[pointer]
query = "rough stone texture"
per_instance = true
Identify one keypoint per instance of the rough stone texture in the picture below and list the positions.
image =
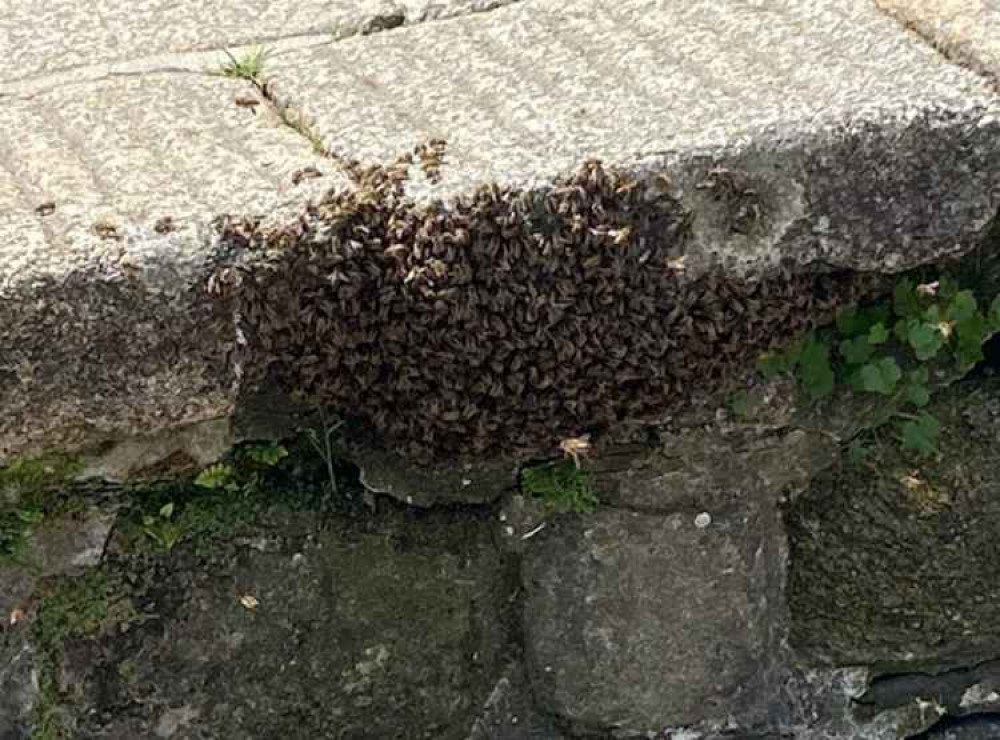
(63, 35)
(65, 545)
(846, 130)
(892, 562)
(977, 728)
(116, 335)
(847, 143)
(393, 627)
(639, 622)
(966, 31)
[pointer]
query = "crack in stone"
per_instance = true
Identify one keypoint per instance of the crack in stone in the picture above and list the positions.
(184, 62)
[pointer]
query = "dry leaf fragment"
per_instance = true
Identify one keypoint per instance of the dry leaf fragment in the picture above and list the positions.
(249, 601)
(574, 447)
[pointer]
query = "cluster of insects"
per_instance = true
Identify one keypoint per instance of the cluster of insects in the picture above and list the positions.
(504, 320)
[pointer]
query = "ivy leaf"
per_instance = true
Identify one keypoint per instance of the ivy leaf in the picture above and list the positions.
(947, 288)
(995, 314)
(920, 434)
(969, 348)
(881, 376)
(901, 330)
(925, 339)
(854, 321)
(962, 306)
(856, 351)
(878, 334)
(917, 394)
(814, 368)
(905, 301)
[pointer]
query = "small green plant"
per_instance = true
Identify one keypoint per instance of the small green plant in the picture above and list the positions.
(220, 476)
(322, 442)
(249, 66)
(265, 454)
(15, 526)
(899, 350)
(82, 606)
(162, 528)
(562, 486)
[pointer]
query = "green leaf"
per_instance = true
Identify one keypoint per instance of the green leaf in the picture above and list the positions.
(962, 306)
(916, 394)
(933, 315)
(30, 516)
(814, 368)
(215, 476)
(920, 434)
(901, 330)
(995, 314)
(971, 334)
(855, 321)
(947, 288)
(905, 301)
(167, 510)
(266, 454)
(878, 334)
(856, 351)
(924, 338)
(881, 376)
(847, 321)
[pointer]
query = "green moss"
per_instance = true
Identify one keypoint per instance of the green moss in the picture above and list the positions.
(71, 608)
(31, 475)
(30, 491)
(562, 486)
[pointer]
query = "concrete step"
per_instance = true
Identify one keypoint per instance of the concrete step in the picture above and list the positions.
(809, 133)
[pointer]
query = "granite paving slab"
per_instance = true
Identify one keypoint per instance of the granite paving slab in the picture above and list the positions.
(967, 31)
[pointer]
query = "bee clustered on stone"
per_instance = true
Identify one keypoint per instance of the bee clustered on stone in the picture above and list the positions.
(502, 321)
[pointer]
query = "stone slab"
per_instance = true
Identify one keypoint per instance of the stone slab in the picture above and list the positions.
(858, 144)
(61, 35)
(638, 623)
(845, 140)
(967, 31)
(107, 196)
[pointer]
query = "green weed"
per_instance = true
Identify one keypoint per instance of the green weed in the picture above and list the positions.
(562, 486)
(249, 66)
(900, 350)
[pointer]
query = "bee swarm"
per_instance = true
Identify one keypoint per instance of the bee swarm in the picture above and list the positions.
(505, 320)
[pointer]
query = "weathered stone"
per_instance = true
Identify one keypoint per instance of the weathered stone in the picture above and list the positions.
(974, 728)
(18, 684)
(63, 545)
(389, 473)
(966, 31)
(394, 627)
(509, 713)
(636, 623)
(107, 330)
(868, 152)
(173, 452)
(847, 134)
(104, 41)
(892, 561)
